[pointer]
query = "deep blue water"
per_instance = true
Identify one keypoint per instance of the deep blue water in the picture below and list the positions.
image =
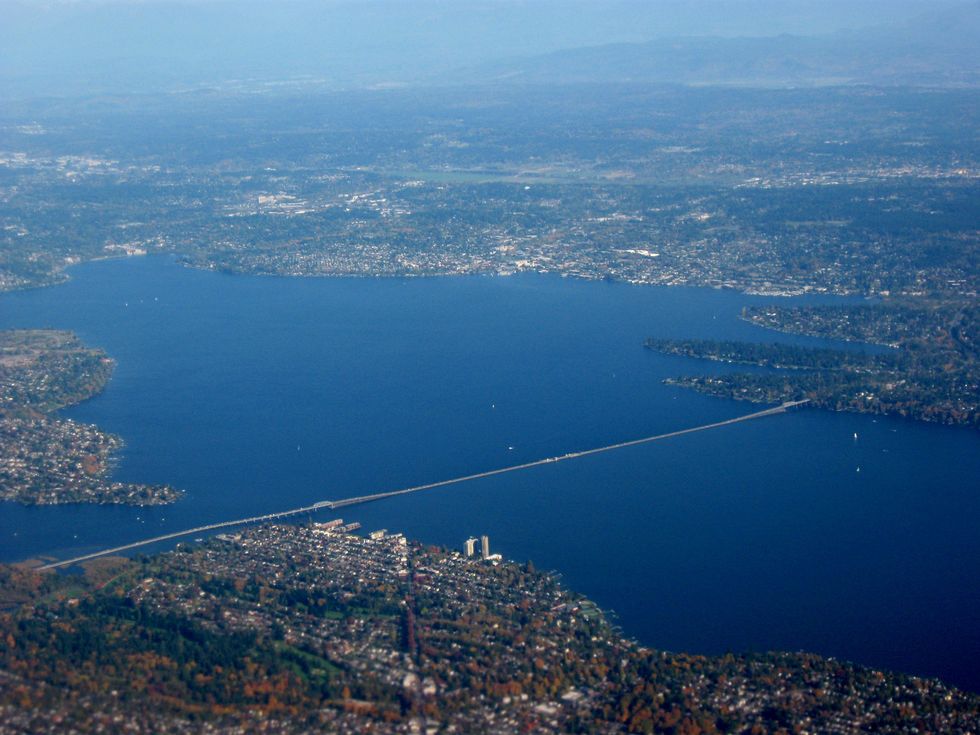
(257, 394)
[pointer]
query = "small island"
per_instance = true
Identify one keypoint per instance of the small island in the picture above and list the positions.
(47, 460)
(314, 629)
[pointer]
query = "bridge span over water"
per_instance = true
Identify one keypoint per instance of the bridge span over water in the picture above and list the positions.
(357, 500)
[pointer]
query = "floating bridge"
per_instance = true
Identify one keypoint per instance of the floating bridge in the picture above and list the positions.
(359, 499)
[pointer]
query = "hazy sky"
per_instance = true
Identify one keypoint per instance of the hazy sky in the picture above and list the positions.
(79, 45)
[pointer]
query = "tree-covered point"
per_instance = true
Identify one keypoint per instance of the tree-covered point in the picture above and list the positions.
(937, 399)
(933, 374)
(42, 370)
(777, 355)
(950, 324)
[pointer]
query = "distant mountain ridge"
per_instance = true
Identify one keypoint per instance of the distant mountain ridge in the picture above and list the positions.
(937, 49)
(74, 48)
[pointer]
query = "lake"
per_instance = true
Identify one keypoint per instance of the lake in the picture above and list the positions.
(256, 394)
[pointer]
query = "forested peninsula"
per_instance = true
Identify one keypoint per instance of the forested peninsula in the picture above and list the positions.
(930, 371)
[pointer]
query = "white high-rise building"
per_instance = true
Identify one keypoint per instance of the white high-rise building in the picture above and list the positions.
(485, 547)
(469, 547)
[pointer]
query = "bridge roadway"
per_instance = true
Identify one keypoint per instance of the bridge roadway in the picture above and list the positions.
(335, 504)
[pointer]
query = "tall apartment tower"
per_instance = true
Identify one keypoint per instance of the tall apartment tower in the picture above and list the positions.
(469, 547)
(485, 547)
